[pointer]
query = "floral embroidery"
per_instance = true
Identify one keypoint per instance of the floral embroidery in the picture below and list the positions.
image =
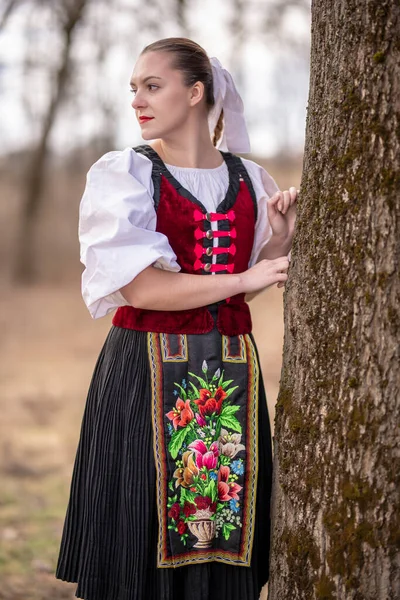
(205, 436)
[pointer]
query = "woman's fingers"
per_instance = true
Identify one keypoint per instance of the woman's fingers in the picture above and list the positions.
(284, 199)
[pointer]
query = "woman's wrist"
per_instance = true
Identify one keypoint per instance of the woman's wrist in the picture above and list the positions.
(275, 247)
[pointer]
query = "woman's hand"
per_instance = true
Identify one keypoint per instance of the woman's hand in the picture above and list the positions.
(264, 273)
(281, 210)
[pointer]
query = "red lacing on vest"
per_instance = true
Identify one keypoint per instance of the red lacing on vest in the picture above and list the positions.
(211, 268)
(210, 216)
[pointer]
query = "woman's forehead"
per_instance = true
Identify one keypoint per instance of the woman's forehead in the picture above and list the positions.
(152, 64)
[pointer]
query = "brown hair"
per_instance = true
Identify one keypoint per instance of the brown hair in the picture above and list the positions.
(192, 60)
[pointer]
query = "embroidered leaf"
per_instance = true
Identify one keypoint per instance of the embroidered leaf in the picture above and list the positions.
(225, 460)
(195, 390)
(187, 495)
(203, 383)
(211, 490)
(221, 378)
(229, 392)
(226, 530)
(226, 383)
(183, 393)
(231, 421)
(229, 410)
(177, 440)
(171, 486)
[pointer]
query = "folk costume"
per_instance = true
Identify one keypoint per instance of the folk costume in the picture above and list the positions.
(170, 493)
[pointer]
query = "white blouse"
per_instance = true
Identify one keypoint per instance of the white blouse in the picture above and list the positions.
(117, 221)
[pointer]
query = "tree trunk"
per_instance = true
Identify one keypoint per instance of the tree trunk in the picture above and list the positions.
(35, 173)
(336, 517)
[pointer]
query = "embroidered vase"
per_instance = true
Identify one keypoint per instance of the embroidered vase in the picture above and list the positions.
(204, 530)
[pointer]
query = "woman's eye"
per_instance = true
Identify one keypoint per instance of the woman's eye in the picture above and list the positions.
(132, 91)
(152, 85)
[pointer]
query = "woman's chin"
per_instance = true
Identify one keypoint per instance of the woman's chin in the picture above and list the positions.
(149, 135)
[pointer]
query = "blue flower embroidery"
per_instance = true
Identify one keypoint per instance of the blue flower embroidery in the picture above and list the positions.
(234, 505)
(175, 392)
(183, 383)
(237, 467)
(170, 429)
(213, 476)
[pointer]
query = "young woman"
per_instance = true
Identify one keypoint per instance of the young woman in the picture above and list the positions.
(170, 493)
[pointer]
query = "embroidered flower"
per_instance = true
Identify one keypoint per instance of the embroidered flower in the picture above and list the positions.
(174, 511)
(185, 475)
(182, 527)
(213, 475)
(200, 420)
(188, 508)
(227, 490)
(234, 505)
(205, 457)
(209, 404)
(202, 502)
(182, 414)
(229, 443)
(238, 467)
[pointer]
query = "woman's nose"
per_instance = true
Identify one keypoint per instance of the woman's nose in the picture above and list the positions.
(138, 102)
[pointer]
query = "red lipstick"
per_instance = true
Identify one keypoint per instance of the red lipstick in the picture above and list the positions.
(144, 119)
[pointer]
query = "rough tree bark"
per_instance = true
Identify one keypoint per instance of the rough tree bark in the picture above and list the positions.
(336, 528)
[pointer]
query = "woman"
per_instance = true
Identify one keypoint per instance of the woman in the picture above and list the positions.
(170, 494)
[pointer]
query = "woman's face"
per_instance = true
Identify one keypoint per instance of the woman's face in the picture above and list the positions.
(160, 95)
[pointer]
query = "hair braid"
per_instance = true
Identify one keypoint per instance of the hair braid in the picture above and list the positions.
(218, 128)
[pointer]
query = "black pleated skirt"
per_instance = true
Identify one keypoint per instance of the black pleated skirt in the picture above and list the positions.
(109, 541)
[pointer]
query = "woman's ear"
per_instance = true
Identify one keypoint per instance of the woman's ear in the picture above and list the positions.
(197, 93)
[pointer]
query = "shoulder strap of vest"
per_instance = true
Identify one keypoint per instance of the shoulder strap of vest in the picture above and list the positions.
(237, 164)
(155, 173)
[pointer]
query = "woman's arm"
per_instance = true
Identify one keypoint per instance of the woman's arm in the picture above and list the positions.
(158, 289)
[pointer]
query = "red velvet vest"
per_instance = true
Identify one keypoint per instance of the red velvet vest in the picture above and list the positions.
(187, 225)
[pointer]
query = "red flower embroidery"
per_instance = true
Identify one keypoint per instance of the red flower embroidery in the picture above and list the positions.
(181, 525)
(174, 511)
(188, 509)
(227, 490)
(202, 502)
(182, 414)
(208, 404)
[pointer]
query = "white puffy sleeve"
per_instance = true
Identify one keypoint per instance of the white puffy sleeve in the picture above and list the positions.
(265, 187)
(117, 236)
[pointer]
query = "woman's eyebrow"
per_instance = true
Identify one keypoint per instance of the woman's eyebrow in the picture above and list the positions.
(146, 79)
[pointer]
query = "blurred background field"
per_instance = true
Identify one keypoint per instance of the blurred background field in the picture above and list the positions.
(48, 341)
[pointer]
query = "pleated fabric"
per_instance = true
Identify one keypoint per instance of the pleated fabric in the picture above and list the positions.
(109, 541)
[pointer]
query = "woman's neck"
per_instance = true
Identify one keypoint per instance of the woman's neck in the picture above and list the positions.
(190, 151)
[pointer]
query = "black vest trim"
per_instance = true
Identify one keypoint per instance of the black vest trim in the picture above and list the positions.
(236, 171)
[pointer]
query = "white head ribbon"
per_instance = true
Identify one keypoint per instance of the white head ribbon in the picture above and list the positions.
(235, 137)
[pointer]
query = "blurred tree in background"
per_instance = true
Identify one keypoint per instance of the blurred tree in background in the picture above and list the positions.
(73, 57)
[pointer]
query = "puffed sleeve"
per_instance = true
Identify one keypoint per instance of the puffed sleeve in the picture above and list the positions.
(117, 236)
(265, 187)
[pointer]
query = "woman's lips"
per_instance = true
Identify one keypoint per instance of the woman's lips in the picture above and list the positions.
(144, 119)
